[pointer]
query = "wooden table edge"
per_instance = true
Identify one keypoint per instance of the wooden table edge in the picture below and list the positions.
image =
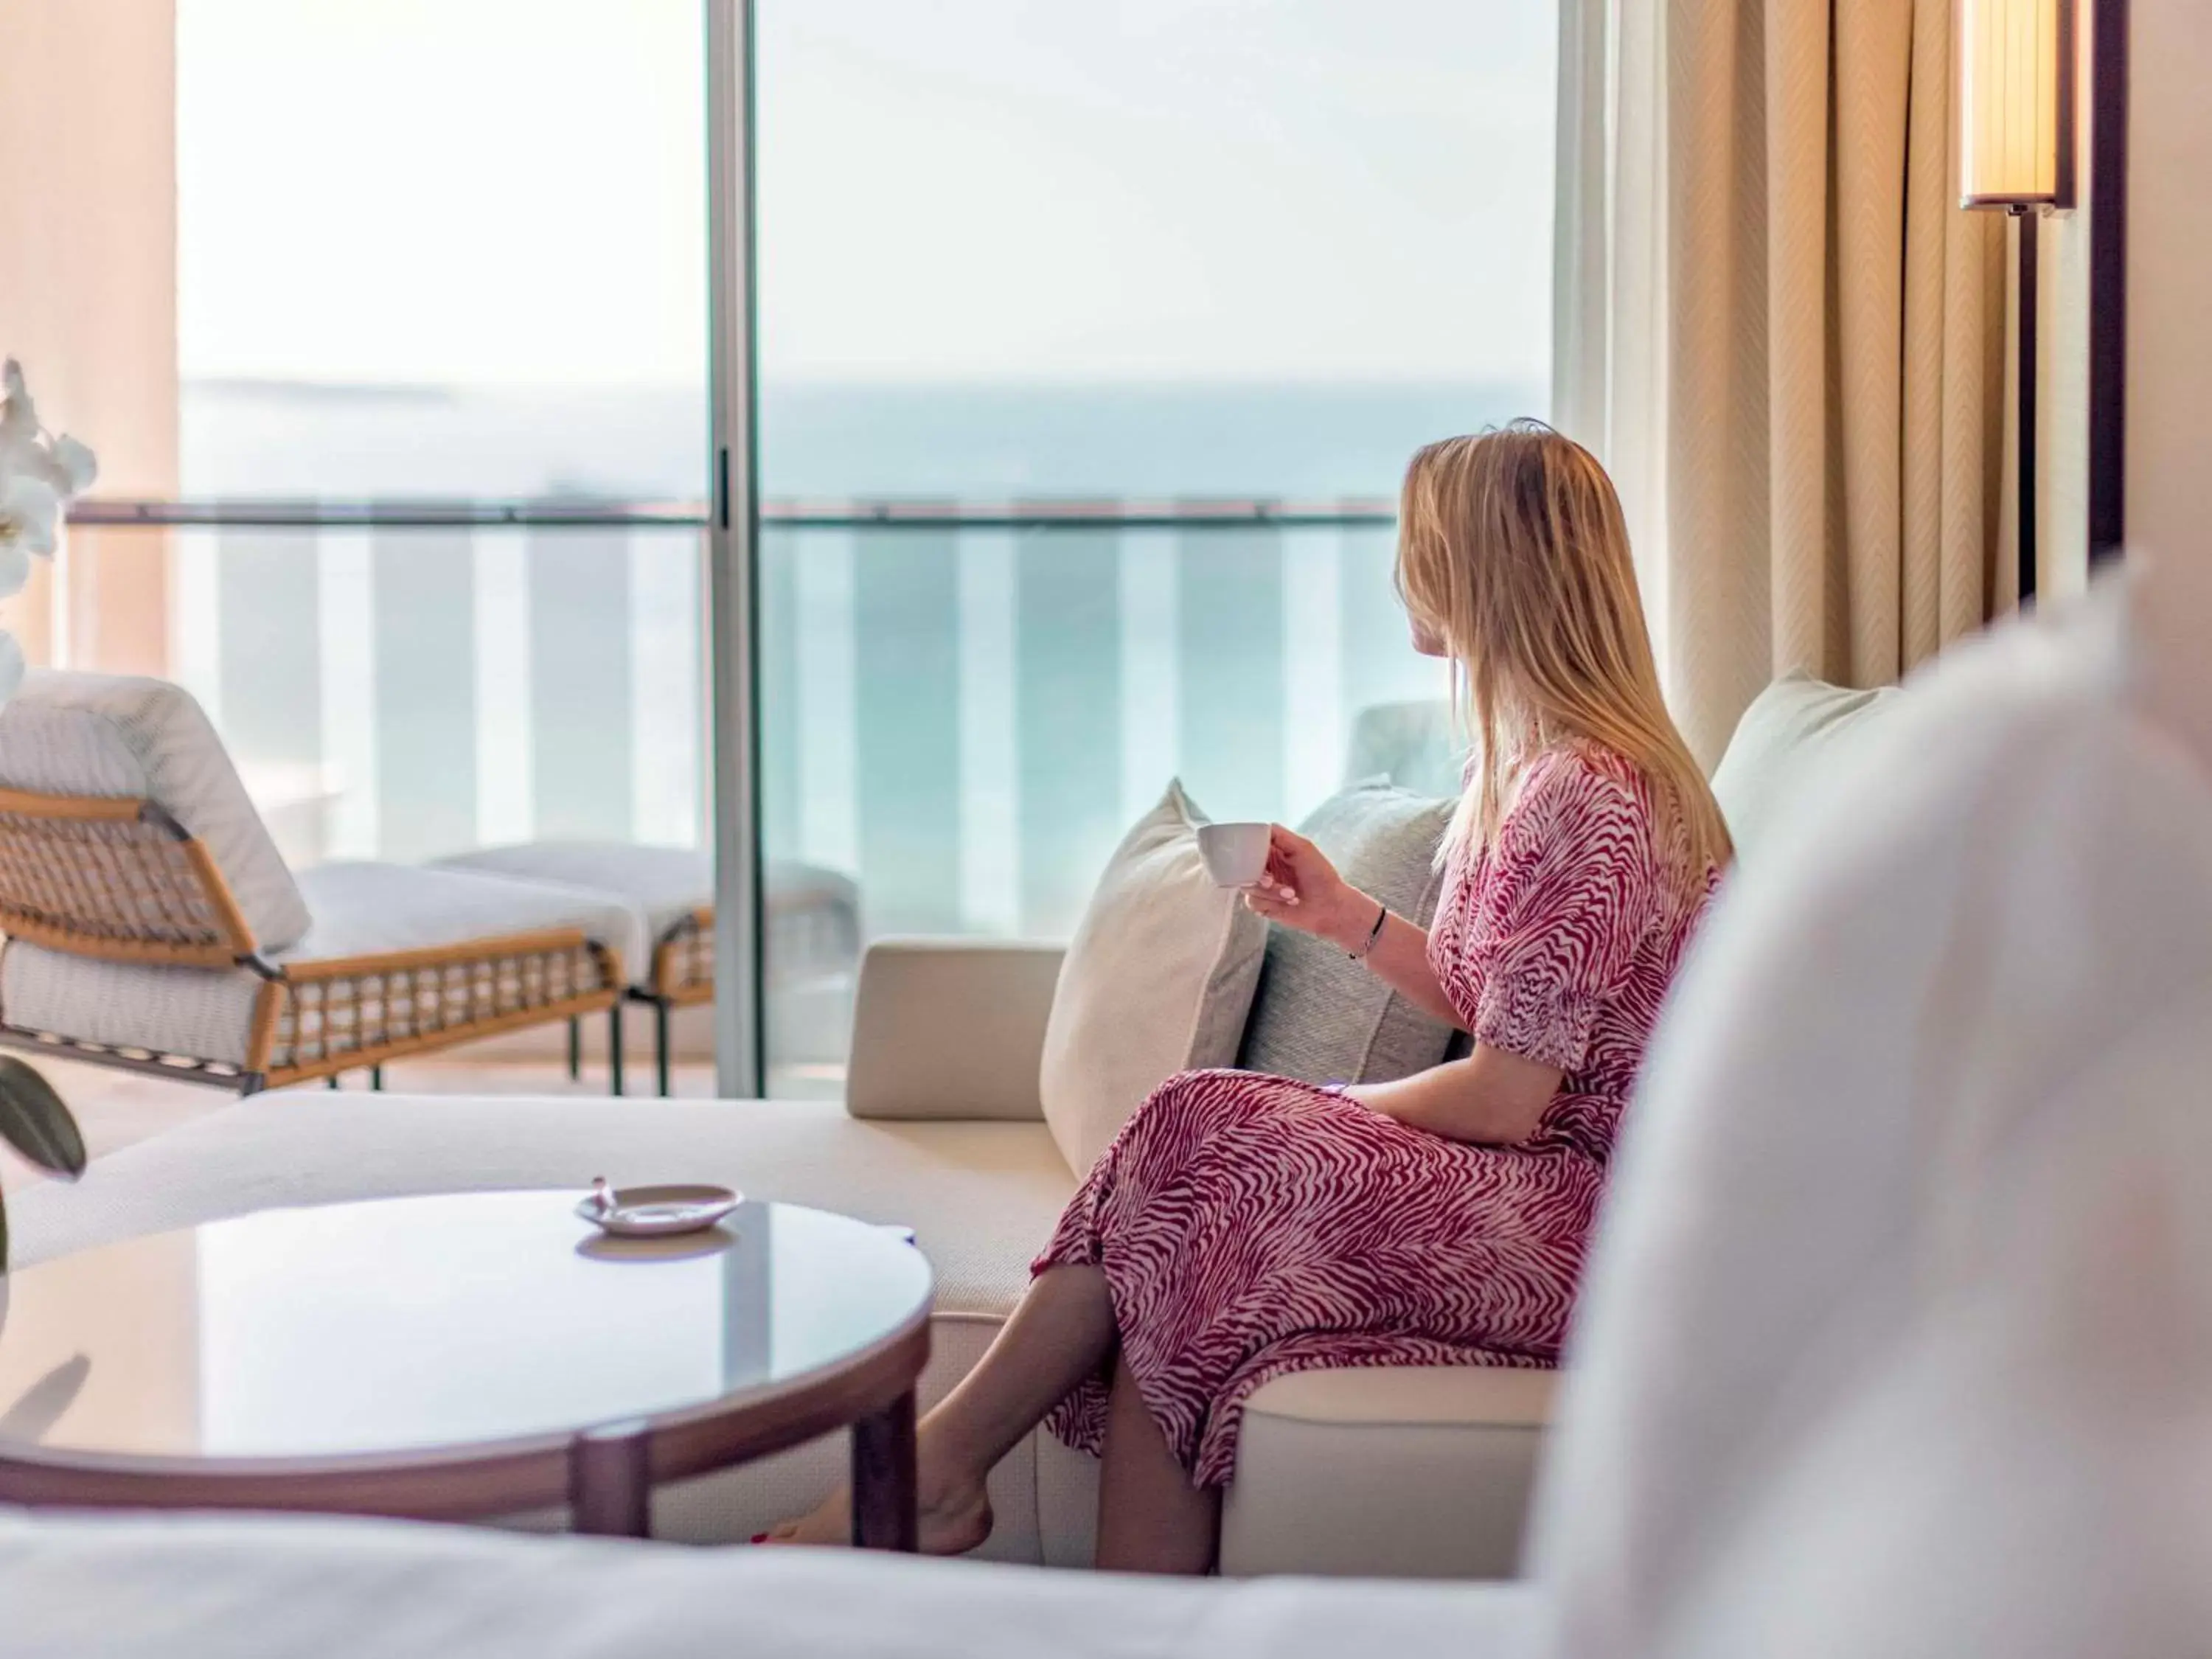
(475, 1479)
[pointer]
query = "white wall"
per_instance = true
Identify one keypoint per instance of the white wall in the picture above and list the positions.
(88, 290)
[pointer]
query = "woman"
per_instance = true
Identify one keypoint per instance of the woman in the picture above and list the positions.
(1242, 1227)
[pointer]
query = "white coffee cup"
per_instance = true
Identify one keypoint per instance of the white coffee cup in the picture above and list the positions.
(1236, 854)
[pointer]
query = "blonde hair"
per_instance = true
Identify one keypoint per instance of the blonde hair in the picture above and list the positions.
(1513, 555)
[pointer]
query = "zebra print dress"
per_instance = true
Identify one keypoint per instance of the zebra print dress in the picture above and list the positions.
(1250, 1226)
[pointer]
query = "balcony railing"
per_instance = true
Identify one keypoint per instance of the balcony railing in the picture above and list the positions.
(555, 512)
(965, 703)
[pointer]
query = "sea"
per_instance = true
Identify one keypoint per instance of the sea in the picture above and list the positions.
(961, 722)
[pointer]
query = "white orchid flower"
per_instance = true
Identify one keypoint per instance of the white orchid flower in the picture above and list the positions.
(39, 475)
(76, 466)
(18, 416)
(30, 515)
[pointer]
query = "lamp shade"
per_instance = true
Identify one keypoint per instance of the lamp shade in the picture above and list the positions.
(2015, 103)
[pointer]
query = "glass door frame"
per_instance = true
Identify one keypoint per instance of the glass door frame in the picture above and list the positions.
(732, 554)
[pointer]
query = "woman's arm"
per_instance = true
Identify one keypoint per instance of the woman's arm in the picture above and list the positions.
(1492, 1097)
(1302, 889)
(1400, 958)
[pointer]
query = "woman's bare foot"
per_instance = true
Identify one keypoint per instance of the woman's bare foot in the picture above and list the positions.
(954, 1521)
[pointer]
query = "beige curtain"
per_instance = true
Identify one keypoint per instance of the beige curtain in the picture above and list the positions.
(1782, 333)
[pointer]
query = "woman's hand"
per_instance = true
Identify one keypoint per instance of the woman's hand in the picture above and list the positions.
(1302, 889)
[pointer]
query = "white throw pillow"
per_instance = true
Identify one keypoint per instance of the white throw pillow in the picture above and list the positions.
(1789, 736)
(1158, 981)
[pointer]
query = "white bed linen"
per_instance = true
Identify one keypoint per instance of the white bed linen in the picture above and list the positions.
(335, 1589)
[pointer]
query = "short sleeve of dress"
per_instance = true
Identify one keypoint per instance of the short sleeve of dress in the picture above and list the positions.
(1562, 902)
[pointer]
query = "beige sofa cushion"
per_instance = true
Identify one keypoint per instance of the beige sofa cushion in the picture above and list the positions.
(950, 1028)
(1157, 979)
(1415, 1472)
(1790, 733)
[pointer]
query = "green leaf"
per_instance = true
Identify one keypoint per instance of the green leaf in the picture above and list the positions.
(33, 1120)
(3, 1251)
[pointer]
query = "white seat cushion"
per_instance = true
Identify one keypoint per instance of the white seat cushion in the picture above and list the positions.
(980, 1198)
(188, 1012)
(363, 909)
(110, 735)
(667, 884)
(359, 910)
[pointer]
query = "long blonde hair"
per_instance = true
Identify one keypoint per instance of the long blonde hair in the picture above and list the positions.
(1513, 555)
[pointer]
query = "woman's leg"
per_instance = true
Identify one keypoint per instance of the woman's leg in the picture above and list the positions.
(1061, 1333)
(1151, 1518)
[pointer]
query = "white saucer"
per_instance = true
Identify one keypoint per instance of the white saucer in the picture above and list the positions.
(658, 1211)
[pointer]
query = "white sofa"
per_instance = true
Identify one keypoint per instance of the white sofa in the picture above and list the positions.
(1378, 1471)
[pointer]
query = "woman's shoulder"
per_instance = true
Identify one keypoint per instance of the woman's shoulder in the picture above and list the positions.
(1581, 797)
(1582, 777)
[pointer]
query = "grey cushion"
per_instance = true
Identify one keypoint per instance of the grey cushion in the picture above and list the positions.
(1416, 745)
(1794, 725)
(1319, 1016)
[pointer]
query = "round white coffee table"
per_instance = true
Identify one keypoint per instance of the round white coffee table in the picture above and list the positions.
(463, 1356)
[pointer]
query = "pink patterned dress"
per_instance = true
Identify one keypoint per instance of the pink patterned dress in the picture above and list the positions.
(1250, 1226)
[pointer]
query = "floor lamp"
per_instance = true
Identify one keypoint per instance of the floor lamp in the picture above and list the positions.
(2016, 60)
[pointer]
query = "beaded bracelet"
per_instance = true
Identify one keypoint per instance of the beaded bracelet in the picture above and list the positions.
(1382, 915)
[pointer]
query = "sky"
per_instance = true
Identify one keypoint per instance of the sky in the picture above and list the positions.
(510, 192)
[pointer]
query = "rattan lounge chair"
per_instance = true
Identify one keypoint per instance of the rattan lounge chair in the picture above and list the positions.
(152, 925)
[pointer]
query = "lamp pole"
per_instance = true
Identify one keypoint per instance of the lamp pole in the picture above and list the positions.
(2015, 66)
(2026, 218)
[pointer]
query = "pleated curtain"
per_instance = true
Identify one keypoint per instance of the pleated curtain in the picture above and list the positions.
(1783, 335)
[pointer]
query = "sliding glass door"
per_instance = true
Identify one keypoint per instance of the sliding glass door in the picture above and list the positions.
(884, 442)
(1091, 344)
